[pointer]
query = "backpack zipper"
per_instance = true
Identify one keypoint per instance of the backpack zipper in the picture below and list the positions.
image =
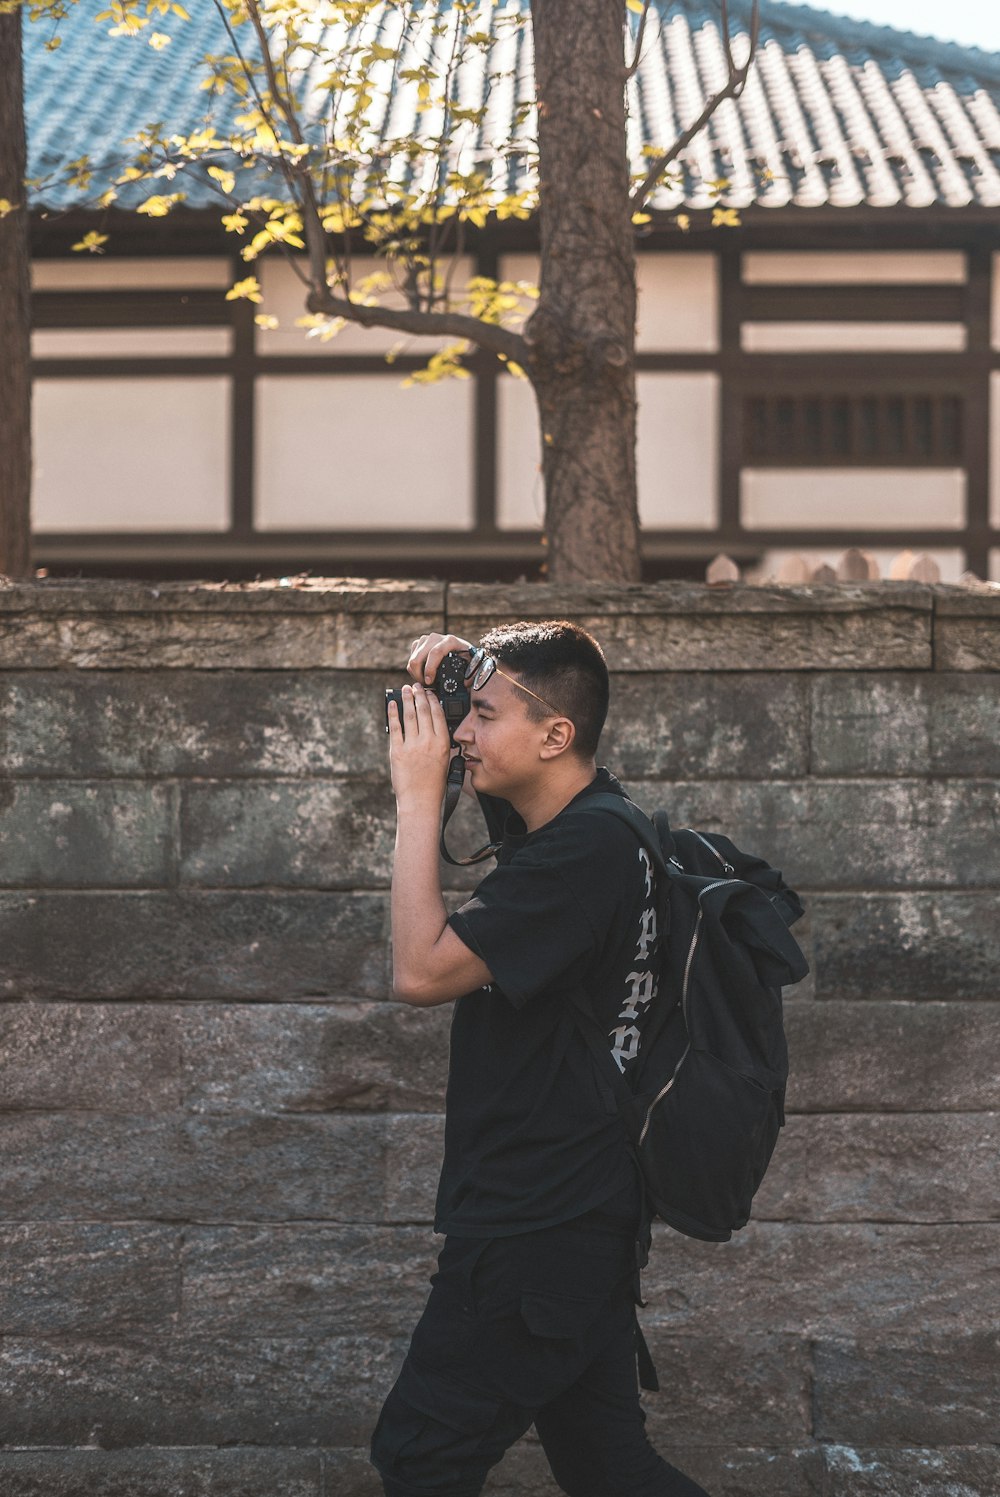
(728, 867)
(684, 997)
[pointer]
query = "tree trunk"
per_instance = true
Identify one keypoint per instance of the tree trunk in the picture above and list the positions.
(582, 334)
(15, 314)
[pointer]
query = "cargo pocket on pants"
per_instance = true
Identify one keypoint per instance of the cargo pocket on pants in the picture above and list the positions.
(559, 1316)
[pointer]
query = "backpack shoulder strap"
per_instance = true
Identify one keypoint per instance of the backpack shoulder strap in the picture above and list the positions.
(655, 835)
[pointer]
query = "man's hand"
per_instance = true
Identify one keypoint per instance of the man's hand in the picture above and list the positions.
(419, 751)
(427, 653)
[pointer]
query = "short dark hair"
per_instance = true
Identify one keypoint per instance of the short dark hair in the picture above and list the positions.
(565, 665)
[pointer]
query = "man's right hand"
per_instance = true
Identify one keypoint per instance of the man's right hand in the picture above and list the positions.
(427, 653)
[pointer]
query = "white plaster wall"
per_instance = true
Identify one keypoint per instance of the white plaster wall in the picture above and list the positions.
(995, 303)
(131, 343)
(677, 452)
(362, 453)
(283, 296)
(853, 337)
(86, 272)
(853, 267)
(131, 454)
(824, 498)
(678, 307)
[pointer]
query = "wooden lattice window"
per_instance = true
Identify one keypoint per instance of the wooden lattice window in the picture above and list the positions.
(863, 429)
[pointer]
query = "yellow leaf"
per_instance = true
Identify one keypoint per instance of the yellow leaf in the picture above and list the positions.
(179, 10)
(159, 40)
(683, 222)
(248, 289)
(642, 218)
(53, 44)
(91, 241)
(234, 223)
(6, 206)
(266, 321)
(725, 218)
(160, 204)
(226, 180)
(636, 6)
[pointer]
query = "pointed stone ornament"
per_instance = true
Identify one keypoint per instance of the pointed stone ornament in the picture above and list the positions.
(824, 573)
(857, 566)
(969, 579)
(925, 569)
(722, 571)
(899, 567)
(794, 569)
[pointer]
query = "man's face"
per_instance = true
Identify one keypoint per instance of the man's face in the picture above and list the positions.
(498, 741)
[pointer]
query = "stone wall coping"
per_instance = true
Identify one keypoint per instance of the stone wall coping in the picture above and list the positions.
(390, 595)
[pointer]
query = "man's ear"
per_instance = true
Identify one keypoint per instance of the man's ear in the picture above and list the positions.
(558, 738)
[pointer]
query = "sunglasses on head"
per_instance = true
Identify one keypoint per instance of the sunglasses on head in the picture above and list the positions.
(481, 668)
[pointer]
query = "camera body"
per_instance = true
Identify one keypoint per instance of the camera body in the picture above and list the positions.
(448, 686)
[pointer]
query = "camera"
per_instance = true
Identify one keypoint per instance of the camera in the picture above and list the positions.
(449, 687)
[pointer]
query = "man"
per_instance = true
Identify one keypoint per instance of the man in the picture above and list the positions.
(531, 1316)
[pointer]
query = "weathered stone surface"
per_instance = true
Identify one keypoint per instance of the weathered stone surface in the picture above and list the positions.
(337, 623)
(909, 945)
(330, 834)
(193, 722)
(711, 725)
(269, 1392)
(924, 1389)
(952, 1471)
(205, 1169)
(161, 1473)
(414, 1149)
(725, 1472)
(121, 1057)
(59, 833)
(306, 1057)
(729, 1390)
(860, 834)
(966, 629)
(822, 1280)
(303, 1280)
(203, 944)
(79, 1278)
(892, 1057)
(899, 1167)
(686, 626)
(905, 724)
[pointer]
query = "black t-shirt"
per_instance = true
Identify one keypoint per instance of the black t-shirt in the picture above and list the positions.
(529, 1140)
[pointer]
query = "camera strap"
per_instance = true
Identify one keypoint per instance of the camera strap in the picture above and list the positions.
(453, 789)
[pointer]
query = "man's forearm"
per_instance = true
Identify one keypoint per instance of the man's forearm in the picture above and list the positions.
(419, 915)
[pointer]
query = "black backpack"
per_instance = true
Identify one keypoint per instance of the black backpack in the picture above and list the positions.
(704, 1099)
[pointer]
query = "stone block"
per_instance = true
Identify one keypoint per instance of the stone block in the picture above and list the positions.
(193, 944)
(336, 623)
(161, 1472)
(822, 1279)
(951, 1471)
(897, 1167)
(707, 726)
(912, 945)
(267, 1392)
(332, 834)
(687, 626)
(203, 1169)
(892, 1057)
(87, 1279)
(122, 1057)
(191, 722)
(966, 629)
(414, 1150)
(728, 1390)
(867, 834)
(916, 1390)
(305, 1280)
(306, 1057)
(905, 724)
(61, 833)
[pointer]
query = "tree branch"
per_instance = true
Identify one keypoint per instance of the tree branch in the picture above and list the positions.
(488, 335)
(637, 55)
(733, 87)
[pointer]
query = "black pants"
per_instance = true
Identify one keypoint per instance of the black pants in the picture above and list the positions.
(534, 1329)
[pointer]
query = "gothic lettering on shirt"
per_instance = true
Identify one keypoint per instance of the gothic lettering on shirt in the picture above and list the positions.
(641, 980)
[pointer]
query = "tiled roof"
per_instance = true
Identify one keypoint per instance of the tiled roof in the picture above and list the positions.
(835, 112)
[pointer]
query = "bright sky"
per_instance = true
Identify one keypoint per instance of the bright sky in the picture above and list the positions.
(974, 23)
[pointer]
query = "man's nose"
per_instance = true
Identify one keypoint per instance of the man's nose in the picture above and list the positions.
(463, 733)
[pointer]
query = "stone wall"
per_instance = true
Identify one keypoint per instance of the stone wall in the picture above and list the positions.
(220, 1137)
